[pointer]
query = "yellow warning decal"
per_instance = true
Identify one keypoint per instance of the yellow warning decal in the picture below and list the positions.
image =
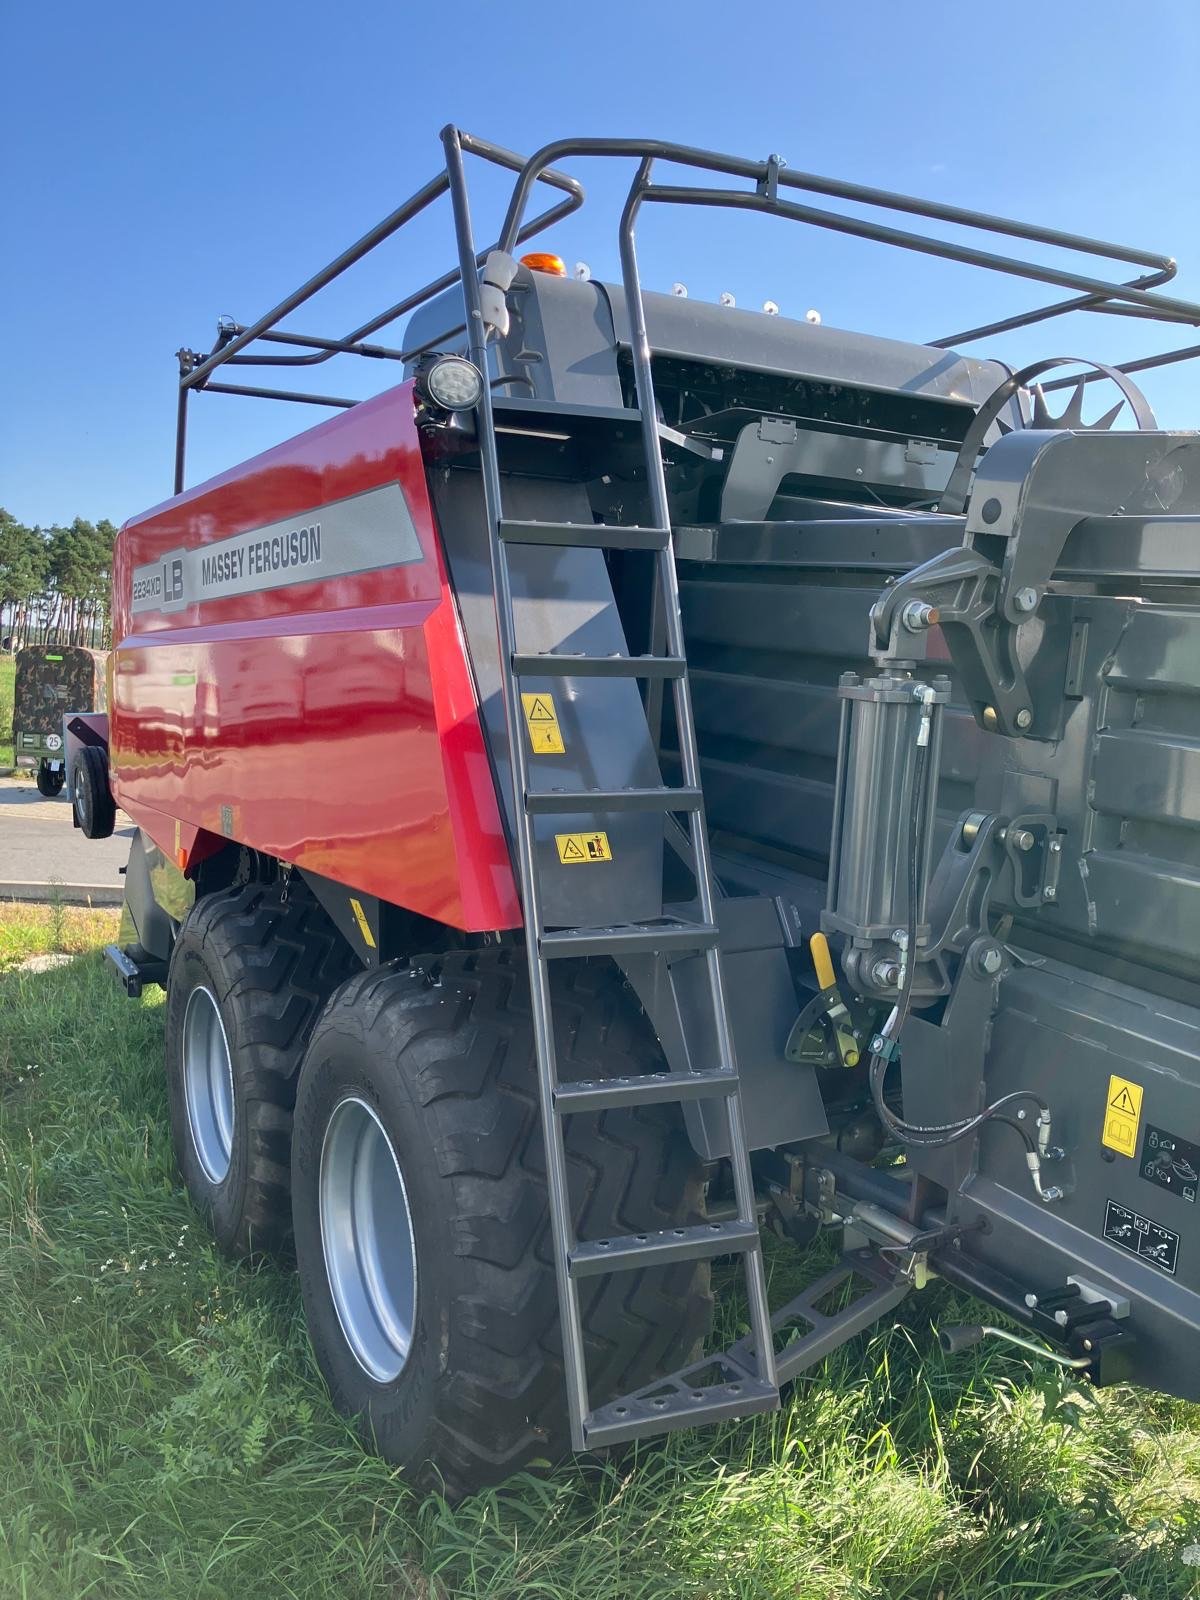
(541, 719)
(1122, 1115)
(364, 927)
(576, 848)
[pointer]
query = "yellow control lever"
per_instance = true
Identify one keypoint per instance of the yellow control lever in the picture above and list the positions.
(835, 1010)
(822, 961)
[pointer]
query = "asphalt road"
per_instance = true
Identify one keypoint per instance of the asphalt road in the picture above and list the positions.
(38, 845)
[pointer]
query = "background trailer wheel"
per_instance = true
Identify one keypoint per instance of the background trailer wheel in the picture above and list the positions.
(421, 1227)
(249, 974)
(95, 809)
(49, 781)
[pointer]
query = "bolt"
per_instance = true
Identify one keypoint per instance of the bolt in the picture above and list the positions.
(918, 615)
(877, 1043)
(1022, 839)
(1061, 1318)
(1055, 846)
(1025, 599)
(1024, 718)
(1054, 1193)
(991, 959)
(900, 937)
(990, 719)
(1087, 1344)
(886, 974)
(1048, 892)
(1031, 1301)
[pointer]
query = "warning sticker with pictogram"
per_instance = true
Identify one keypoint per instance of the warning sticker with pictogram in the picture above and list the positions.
(576, 848)
(1122, 1114)
(541, 719)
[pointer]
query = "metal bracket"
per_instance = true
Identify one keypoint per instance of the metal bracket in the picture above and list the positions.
(1031, 490)
(768, 185)
(959, 591)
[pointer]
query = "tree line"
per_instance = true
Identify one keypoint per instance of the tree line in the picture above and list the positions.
(55, 583)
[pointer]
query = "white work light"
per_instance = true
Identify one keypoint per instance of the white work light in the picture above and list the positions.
(453, 383)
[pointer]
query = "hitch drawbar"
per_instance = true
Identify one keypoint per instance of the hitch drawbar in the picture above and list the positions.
(135, 975)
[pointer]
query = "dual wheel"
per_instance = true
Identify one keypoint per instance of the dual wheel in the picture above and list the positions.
(387, 1122)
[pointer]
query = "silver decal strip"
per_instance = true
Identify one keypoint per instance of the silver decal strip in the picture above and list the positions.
(361, 534)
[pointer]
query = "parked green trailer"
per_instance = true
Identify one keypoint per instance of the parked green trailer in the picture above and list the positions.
(52, 680)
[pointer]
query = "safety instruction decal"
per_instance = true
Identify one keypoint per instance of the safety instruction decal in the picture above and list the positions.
(541, 718)
(364, 927)
(1171, 1163)
(1122, 1113)
(574, 849)
(1150, 1241)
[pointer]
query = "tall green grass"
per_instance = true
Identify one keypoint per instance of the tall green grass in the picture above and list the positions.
(163, 1432)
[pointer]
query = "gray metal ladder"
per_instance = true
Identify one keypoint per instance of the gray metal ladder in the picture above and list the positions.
(576, 1260)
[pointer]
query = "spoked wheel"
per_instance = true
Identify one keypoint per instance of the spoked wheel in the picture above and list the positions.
(958, 487)
(367, 1239)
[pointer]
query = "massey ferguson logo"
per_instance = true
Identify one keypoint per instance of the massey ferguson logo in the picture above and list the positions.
(299, 548)
(361, 534)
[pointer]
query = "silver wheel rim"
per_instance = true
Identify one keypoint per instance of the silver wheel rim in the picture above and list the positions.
(367, 1239)
(208, 1083)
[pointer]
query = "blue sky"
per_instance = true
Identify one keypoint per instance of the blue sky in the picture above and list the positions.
(163, 164)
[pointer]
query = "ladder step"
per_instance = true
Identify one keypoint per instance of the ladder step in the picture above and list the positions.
(576, 666)
(550, 802)
(584, 535)
(630, 1251)
(637, 1416)
(628, 939)
(647, 1089)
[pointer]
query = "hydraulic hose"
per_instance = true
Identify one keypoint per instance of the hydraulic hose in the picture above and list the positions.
(930, 1135)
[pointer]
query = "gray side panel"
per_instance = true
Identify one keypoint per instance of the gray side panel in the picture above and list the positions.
(562, 600)
(572, 332)
(1066, 1032)
(748, 339)
(781, 1100)
(772, 619)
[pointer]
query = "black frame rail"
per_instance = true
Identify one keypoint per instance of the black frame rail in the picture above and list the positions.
(772, 182)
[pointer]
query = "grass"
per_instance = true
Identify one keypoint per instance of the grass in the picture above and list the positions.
(37, 930)
(8, 673)
(164, 1434)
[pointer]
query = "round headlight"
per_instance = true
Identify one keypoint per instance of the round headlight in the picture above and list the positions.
(453, 383)
(53, 742)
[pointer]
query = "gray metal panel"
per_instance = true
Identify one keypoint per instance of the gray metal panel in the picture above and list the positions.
(726, 336)
(1064, 1031)
(573, 331)
(774, 613)
(781, 1101)
(562, 600)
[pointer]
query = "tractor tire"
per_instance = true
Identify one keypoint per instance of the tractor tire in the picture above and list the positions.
(91, 798)
(418, 1103)
(249, 974)
(49, 783)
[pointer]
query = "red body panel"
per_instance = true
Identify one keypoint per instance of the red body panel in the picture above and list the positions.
(335, 720)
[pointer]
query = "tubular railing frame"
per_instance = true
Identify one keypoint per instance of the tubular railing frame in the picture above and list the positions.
(1132, 298)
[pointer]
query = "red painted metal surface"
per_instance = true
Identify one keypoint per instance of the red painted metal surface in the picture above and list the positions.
(335, 720)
